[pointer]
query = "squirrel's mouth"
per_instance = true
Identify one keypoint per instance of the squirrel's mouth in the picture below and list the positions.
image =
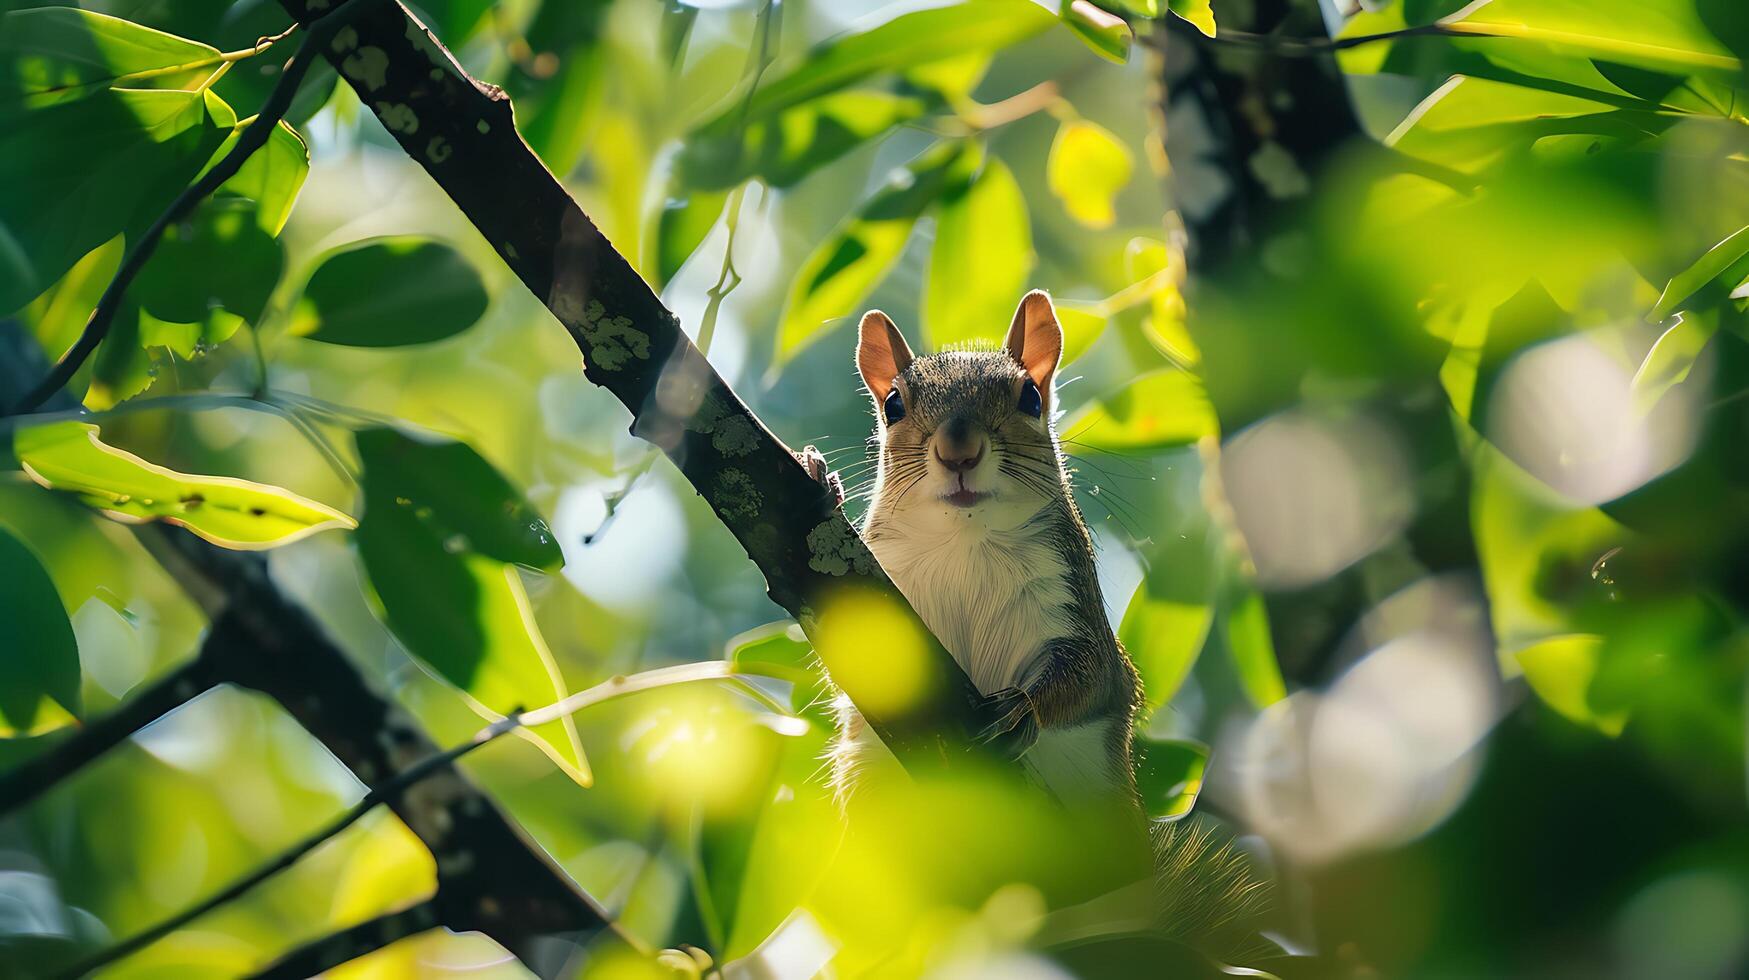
(962, 495)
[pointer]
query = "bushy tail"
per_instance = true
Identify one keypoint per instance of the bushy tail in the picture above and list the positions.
(1209, 895)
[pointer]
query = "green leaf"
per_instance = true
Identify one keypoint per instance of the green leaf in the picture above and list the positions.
(122, 366)
(391, 292)
(780, 650)
(74, 175)
(459, 492)
(682, 227)
(41, 662)
(431, 551)
(1672, 356)
(783, 147)
(50, 54)
(1163, 410)
(1086, 168)
(854, 258)
(1197, 12)
(1169, 775)
(272, 176)
(1245, 627)
(226, 511)
(905, 42)
(1163, 636)
(1724, 260)
(981, 260)
(219, 258)
(1650, 35)
(1560, 670)
(1106, 33)
(1470, 123)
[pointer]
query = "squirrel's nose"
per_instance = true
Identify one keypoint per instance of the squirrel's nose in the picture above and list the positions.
(959, 446)
(959, 460)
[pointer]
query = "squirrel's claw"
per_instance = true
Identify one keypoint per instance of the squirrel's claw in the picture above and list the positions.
(814, 462)
(1011, 722)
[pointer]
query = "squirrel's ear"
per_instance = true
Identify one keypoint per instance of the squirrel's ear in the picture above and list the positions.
(1035, 339)
(881, 353)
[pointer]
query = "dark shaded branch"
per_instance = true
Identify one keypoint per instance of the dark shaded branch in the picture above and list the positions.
(321, 955)
(465, 137)
(30, 779)
(388, 790)
(254, 137)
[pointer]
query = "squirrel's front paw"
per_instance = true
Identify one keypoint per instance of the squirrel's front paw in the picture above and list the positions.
(1010, 722)
(814, 462)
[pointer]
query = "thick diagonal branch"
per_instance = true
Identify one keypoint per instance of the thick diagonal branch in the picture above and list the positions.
(462, 132)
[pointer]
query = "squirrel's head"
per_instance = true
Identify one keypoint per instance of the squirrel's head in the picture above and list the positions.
(966, 429)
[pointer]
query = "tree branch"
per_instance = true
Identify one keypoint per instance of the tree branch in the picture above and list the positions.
(30, 779)
(321, 955)
(465, 137)
(254, 137)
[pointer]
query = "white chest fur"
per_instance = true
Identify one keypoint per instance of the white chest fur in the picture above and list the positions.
(992, 591)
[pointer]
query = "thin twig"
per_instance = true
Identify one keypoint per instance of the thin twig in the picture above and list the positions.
(403, 779)
(254, 137)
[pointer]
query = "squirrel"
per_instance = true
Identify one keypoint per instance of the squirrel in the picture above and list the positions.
(972, 515)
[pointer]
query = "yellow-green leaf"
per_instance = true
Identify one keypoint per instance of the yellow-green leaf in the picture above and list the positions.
(1245, 626)
(1169, 775)
(1198, 13)
(272, 176)
(1081, 330)
(1086, 168)
(1106, 33)
(1163, 636)
(226, 511)
(1560, 671)
(982, 257)
(853, 259)
(1163, 410)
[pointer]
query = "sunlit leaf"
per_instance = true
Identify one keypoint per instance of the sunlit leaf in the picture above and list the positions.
(1245, 627)
(58, 53)
(391, 292)
(783, 147)
(981, 259)
(455, 489)
(434, 554)
(1163, 636)
(41, 662)
(272, 176)
(1086, 168)
(74, 175)
(226, 511)
(780, 650)
(1197, 12)
(1104, 32)
(904, 42)
(1169, 775)
(1469, 123)
(1629, 31)
(1671, 358)
(855, 257)
(219, 258)
(1560, 671)
(1724, 260)
(682, 227)
(1163, 410)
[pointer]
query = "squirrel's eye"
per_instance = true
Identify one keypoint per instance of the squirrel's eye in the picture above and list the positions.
(894, 406)
(1030, 401)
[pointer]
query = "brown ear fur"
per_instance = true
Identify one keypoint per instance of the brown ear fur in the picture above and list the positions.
(881, 353)
(1035, 339)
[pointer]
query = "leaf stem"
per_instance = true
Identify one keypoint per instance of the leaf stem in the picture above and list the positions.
(254, 137)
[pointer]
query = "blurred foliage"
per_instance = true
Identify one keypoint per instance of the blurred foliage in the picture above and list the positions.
(1424, 521)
